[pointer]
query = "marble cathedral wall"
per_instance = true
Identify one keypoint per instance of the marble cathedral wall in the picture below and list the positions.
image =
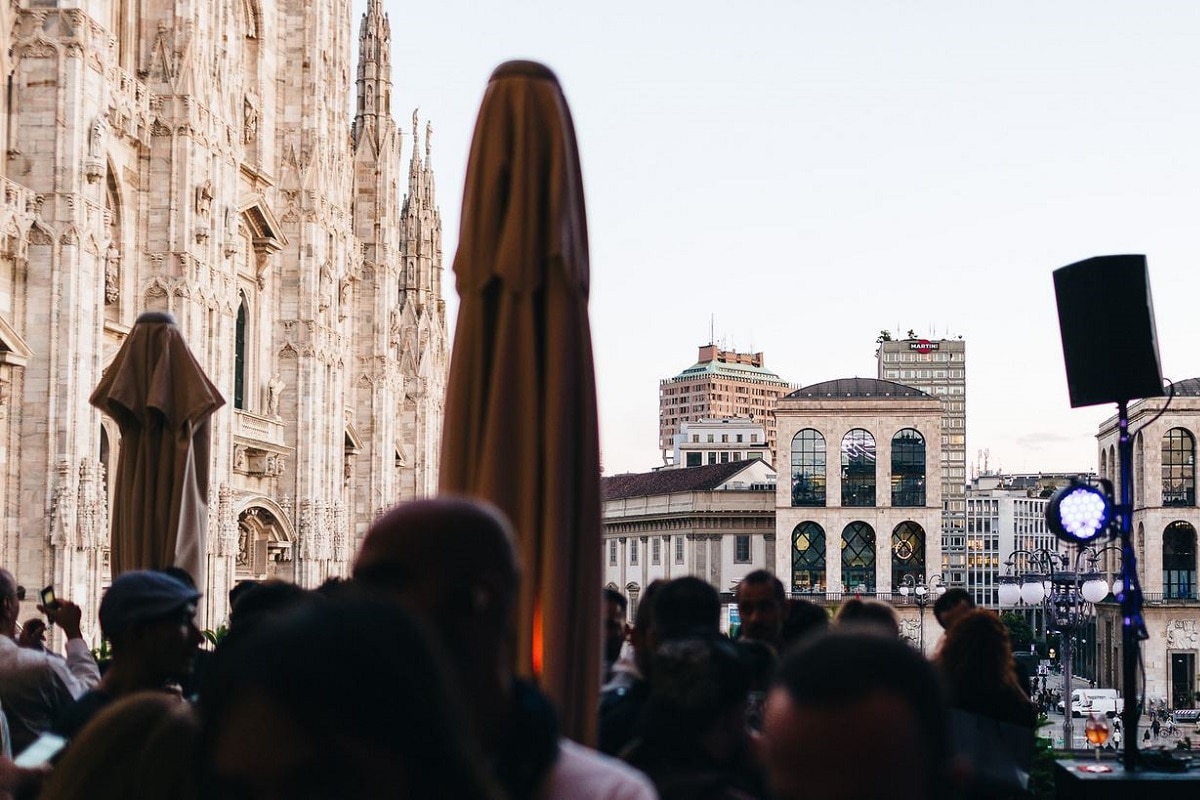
(219, 161)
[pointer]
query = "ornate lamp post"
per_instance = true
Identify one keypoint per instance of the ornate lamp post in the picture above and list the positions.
(1065, 592)
(921, 591)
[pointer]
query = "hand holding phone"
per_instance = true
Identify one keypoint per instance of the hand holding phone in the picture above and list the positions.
(49, 601)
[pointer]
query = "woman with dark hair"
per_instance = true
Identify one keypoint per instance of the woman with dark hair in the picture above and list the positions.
(341, 697)
(992, 721)
(976, 660)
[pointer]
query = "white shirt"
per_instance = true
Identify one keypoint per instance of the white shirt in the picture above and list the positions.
(35, 686)
(584, 774)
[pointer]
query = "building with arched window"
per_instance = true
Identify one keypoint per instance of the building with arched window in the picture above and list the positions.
(238, 165)
(860, 505)
(1165, 523)
(715, 522)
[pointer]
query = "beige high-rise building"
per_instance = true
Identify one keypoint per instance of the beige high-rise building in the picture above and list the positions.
(203, 159)
(721, 384)
(938, 367)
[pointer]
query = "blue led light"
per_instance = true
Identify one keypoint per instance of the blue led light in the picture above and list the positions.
(1079, 513)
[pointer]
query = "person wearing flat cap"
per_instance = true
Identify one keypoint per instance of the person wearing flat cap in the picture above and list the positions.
(149, 620)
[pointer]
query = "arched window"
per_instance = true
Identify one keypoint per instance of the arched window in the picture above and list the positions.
(1139, 470)
(808, 557)
(808, 468)
(908, 468)
(858, 557)
(908, 552)
(1178, 468)
(1179, 561)
(239, 358)
(858, 468)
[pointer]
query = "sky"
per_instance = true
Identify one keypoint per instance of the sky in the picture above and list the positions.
(795, 177)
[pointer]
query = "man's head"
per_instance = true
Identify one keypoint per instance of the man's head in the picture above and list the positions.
(33, 634)
(451, 561)
(951, 606)
(10, 603)
(846, 699)
(803, 617)
(761, 602)
(684, 607)
(150, 619)
(614, 608)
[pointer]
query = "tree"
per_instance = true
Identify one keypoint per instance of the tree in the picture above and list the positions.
(884, 336)
(1018, 630)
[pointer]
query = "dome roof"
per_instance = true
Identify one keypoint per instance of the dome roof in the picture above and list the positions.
(1186, 388)
(857, 387)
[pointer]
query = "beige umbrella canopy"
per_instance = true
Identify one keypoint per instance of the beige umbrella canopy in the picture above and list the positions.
(162, 400)
(520, 426)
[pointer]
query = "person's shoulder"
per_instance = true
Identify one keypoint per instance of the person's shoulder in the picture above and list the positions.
(581, 773)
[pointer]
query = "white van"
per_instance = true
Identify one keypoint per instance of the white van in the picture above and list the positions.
(1095, 701)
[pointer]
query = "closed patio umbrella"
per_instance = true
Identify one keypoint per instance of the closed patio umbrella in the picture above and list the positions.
(520, 425)
(161, 400)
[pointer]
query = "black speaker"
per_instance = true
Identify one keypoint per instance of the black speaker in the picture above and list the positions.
(1107, 322)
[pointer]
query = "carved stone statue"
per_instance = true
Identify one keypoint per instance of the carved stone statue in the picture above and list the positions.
(274, 391)
(96, 142)
(250, 129)
(112, 274)
(204, 198)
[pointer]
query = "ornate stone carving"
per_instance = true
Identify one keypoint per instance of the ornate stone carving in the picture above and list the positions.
(112, 274)
(1183, 634)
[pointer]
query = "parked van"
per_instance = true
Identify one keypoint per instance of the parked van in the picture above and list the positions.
(1095, 701)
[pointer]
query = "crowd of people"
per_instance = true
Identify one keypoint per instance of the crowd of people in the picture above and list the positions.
(398, 682)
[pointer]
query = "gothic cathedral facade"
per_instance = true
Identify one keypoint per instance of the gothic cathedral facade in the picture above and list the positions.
(208, 159)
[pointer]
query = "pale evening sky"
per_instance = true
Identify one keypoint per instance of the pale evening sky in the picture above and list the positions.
(809, 173)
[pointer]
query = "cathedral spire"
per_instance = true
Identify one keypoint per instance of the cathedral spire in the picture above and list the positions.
(373, 110)
(422, 224)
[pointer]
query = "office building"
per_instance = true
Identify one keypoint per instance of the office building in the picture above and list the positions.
(938, 368)
(722, 383)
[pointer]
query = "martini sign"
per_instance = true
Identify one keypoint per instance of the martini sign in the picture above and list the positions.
(922, 346)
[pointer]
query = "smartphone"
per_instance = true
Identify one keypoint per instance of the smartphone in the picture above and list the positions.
(44, 748)
(49, 601)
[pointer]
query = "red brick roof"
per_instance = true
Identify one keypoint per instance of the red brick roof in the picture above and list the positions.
(666, 481)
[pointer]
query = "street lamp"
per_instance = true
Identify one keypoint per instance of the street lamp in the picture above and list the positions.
(921, 590)
(1059, 585)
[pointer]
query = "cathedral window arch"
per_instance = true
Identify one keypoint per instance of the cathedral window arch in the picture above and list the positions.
(1178, 468)
(240, 353)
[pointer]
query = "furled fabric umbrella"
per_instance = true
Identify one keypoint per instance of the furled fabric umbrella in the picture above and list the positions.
(520, 425)
(162, 400)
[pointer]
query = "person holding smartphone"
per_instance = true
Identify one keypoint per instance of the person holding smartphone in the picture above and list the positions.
(35, 686)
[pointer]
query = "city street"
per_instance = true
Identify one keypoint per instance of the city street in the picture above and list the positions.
(1055, 729)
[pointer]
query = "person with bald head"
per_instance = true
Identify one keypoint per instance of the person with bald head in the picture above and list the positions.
(35, 686)
(452, 562)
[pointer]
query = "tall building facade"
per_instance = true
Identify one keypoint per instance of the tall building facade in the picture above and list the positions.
(722, 383)
(1004, 515)
(714, 522)
(861, 506)
(719, 441)
(202, 159)
(938, 367)
(1165, 521)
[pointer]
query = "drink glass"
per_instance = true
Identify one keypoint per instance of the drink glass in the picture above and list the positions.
(1097, 729)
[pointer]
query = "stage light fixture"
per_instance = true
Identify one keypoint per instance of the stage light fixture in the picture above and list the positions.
(1079, 513)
